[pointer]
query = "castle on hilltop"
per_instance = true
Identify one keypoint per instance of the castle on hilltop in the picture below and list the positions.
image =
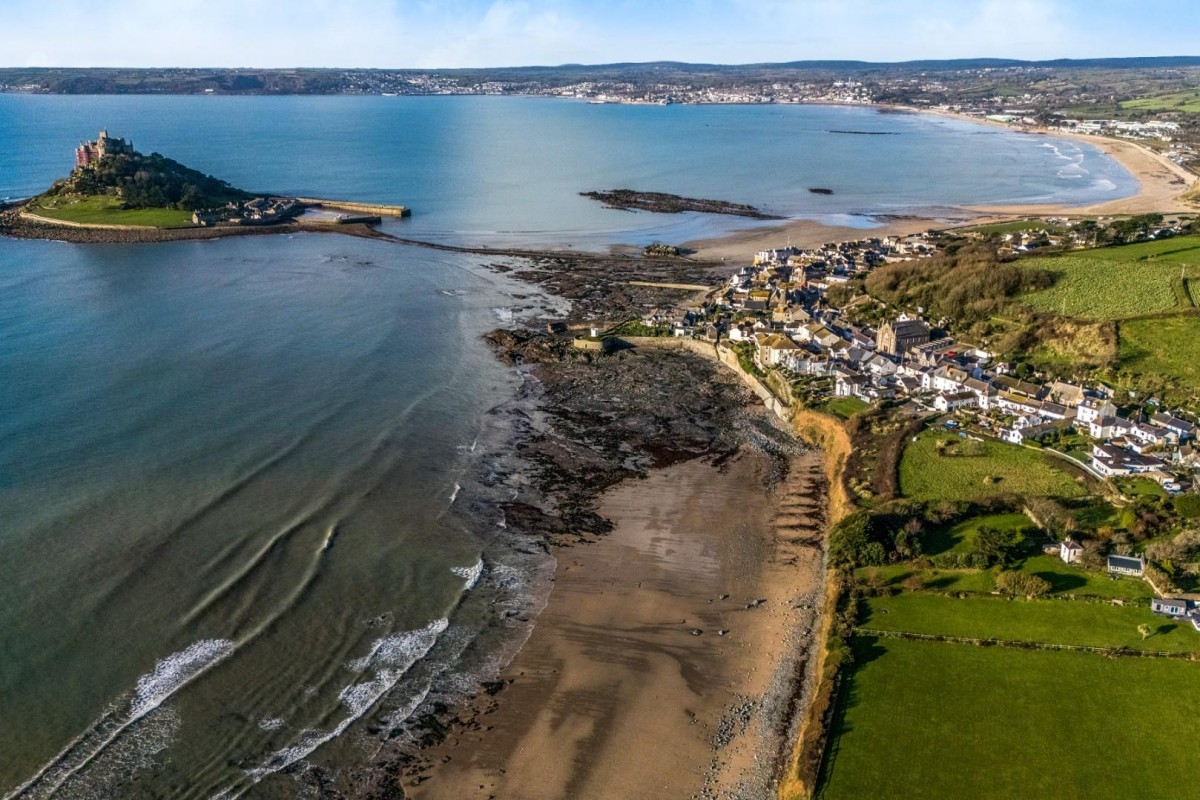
(105, 145)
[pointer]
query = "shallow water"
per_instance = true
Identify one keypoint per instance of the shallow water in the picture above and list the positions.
(230, 471)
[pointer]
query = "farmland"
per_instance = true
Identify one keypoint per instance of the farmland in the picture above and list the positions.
(1119, 282)
(933, 720)
(956, 471)
(1187, 102)
(1056, 621)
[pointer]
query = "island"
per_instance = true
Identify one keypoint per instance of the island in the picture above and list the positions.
(662, 203)
(115, 193)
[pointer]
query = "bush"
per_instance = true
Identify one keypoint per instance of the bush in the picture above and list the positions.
(1021, 584)
(1188, 506)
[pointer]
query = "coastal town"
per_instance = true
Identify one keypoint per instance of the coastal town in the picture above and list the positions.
(880, 484)
(781, 318)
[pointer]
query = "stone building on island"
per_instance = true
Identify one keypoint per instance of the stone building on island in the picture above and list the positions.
(90, 152)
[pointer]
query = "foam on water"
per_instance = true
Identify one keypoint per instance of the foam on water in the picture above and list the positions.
(469, 574)
(154, 688)
(390, 657)
(174, 671)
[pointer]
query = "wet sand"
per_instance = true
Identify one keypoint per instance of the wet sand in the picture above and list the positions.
(1161, 184)
(614, 696)
(741, 245)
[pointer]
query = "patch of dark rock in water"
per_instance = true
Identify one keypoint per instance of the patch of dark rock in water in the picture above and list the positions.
(662, 203)
(866, 133)
(820, 190)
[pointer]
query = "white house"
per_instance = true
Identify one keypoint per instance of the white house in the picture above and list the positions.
(1181, 428)
(1131, 566)
(1108, 427)
(1070, 551)
(848, 385)
(951, 402)
(1094, 408)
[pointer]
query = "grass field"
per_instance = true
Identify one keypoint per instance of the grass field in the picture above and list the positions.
(960, 538)
(938, 721)
(1048, 621)
(1118, 282)
(846, 407)
(1166, 347)
(1063, 579)
(1187, 102)
(108, 211)
(999, 469)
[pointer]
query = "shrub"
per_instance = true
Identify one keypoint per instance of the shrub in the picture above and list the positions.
(1188, 506)
(1021, 584)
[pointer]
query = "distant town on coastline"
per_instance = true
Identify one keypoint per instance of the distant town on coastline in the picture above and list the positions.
(1151, 99)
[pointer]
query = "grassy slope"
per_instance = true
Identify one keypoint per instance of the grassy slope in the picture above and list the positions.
(930, 720)
(1053, 621)
(1188, 102)
(1118, 282)
(925, 475)
(96, 210)
(1167, 347)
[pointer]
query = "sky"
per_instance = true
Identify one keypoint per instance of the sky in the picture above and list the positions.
(428, 34)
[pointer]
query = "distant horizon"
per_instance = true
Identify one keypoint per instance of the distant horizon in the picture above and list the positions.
(799, 63)
(467, 34)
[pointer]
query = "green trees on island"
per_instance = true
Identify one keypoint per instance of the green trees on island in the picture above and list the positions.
(148, 181)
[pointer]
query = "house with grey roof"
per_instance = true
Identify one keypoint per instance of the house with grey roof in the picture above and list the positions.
(1169, 606)
(1127, 566)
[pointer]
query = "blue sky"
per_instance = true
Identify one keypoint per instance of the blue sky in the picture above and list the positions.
(462, 33)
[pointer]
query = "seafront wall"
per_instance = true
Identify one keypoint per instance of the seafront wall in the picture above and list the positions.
(362, 208)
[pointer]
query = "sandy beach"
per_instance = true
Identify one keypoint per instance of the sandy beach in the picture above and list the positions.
(615, 694)
(1161, 185)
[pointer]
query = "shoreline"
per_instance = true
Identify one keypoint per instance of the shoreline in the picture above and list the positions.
(1161, 189)
(615, 693)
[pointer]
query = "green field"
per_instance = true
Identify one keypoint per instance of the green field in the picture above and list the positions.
(1169, 347)
(960, 538)
(1063, 579)
(1048, 621)
(1187, 102)
(846, 407)
(938, 721)
(107, 211)
(1118, 282)
(999, 469)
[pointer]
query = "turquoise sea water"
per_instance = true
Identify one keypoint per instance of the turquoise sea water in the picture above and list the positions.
(231, 536)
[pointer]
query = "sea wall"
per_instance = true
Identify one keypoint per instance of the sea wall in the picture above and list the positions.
(362, 208)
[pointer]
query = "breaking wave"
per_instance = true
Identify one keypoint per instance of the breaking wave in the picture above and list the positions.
(153, 689)
(469, 574)
(390, 658)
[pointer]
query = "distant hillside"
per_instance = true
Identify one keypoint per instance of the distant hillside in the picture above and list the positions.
(147, 181)
(62, 80)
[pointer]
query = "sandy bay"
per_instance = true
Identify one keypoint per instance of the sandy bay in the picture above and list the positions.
(614, 695)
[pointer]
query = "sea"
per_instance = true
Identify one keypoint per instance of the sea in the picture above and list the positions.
(248, 529)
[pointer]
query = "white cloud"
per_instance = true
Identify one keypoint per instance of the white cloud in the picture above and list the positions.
(448, 33)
